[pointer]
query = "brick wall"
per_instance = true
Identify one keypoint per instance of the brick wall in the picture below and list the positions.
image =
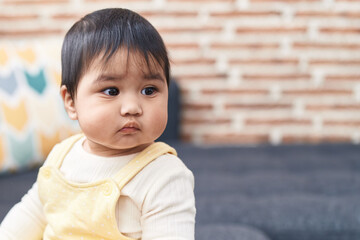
(250, 71)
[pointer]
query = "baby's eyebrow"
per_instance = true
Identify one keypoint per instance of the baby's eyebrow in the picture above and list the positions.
(154, 76)
(108, 77)
(116, 77)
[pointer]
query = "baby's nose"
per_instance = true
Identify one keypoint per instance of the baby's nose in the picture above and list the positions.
(130, 106)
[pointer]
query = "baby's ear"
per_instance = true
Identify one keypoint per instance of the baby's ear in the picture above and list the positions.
(69, 103)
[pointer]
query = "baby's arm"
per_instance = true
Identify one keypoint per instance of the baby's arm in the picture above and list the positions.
(25, 220)
(169, 208)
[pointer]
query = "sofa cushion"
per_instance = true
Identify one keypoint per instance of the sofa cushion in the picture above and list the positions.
(32, 116)
(228, 231)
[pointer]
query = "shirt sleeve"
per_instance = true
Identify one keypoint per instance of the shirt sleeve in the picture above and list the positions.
(169, 208)
(26, 220)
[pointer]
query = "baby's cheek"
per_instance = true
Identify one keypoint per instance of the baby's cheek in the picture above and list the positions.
(160, 122)
(90, 120)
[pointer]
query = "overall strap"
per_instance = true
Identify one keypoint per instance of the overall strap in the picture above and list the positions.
(60, 150)
(145, 157)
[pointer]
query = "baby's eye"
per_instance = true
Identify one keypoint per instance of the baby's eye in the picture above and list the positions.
(148, 91)
(111, 91)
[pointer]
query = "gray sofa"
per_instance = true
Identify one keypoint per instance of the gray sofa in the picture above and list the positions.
(256, 193)
(286, 192)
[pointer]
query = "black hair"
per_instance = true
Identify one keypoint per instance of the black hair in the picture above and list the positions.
(105, 32)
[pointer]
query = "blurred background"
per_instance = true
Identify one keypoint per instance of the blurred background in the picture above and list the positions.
(250, 71)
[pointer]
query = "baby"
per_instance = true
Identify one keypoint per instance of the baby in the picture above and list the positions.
(112, 181)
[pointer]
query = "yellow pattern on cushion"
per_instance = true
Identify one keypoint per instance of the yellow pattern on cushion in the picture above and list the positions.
(57, 77)
(3, 57)
(30, 102)
(43, 113)
(15, 116)
(28, 55)
(48, 142)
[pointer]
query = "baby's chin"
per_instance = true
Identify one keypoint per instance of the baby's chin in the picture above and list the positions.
(124, 145)
(129, 149)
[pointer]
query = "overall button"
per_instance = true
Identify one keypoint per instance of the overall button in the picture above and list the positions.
(46, 173)
(107, 189)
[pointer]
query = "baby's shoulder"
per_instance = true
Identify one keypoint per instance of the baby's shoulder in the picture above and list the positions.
(166, 162)
(160, 179)
(165, 168)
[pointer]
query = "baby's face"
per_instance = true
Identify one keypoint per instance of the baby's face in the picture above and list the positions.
(122, 106)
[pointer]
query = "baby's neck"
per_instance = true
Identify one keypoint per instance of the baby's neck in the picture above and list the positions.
(103, 151)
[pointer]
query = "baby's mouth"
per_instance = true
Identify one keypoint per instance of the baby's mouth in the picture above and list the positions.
(130, 127)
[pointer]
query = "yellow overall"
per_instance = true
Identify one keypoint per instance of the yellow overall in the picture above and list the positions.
(76, 211)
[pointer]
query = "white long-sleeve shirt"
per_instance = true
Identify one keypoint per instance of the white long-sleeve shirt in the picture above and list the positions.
(165, 185)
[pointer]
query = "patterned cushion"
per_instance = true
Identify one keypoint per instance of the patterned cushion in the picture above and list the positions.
(32, 116)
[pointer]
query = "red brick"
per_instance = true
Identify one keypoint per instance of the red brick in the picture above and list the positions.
(340, 30)
(196, 29)
(237, 14)
(273, 61)
(199, 121)
(235, 91)
(338, 62)
(345, 122)
(17, 17)
(343, 77)
(249, 46)
(118, 1)
(285, 1)
(325, 14)
(32, 2)
(166, 13)
(30, 32)
(314, 139)
(185, 137)
(271, 30)
(277, 121)
(68, 16)
(184, 92)
(258, 106)
(190, 61)
(235, 138)
(333, 107)
(197, 106)
(182, 45)
(276, 77)
(190, 77)
(204, 1)
(325, 45)
(317, 92)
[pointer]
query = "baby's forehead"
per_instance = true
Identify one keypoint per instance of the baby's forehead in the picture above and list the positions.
(123, 59)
